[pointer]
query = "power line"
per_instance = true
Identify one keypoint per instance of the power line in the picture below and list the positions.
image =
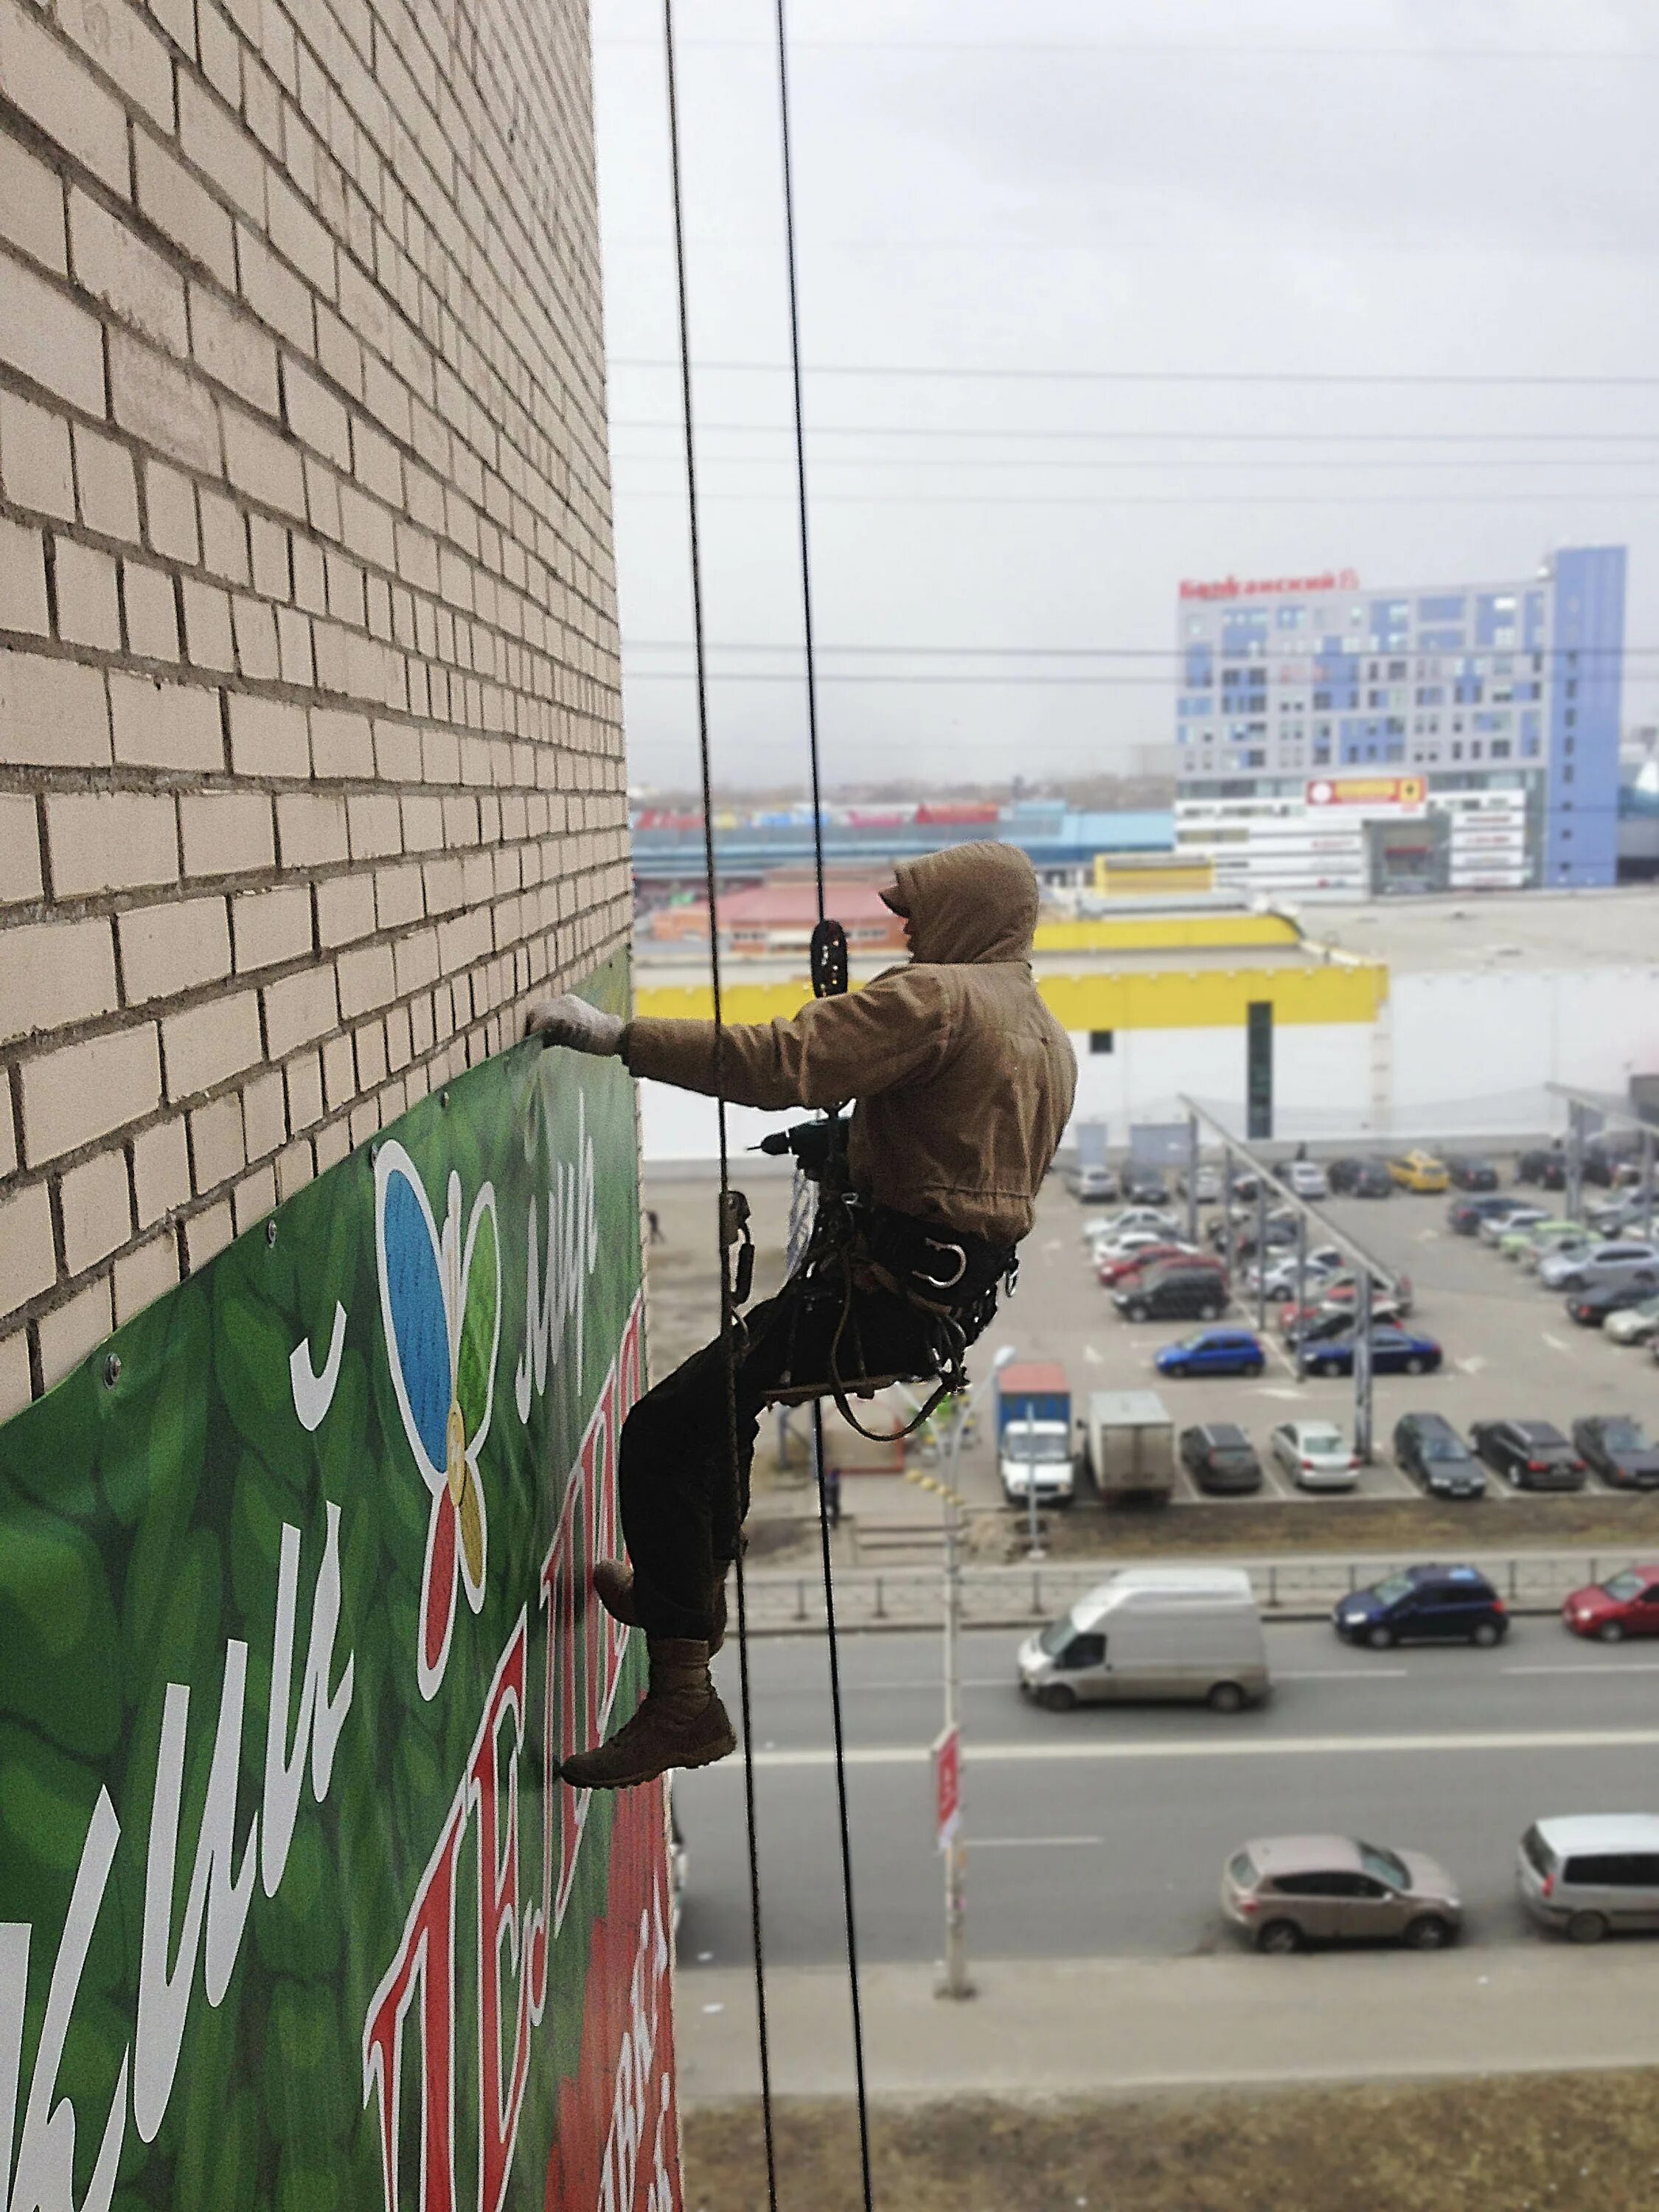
(1511, 461)
(1161, 436)
(1286, 652)
(1110, 503)
(1195, 52)
(1160, 376)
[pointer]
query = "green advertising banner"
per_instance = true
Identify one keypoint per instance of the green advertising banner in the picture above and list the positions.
(296, 1627)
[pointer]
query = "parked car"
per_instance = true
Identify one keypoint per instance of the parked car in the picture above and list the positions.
(1602, 1160)
(1589, 1308)
(1277, 1280)
(1360, 1179)
(1203, 1183)
(1394, 1351)
(1129, 1245)
(1548, 1169)
(1177, 1290)
(1423, 1605)
(1634, 1324)
(1093, 1181)
(1528, 1241)
(1496, 1226)
(1530, 1455)
(1334, 1301)
(1591, 1873)
(1466, 1213)
(1104, 1227)
(1427, 1447)
(1220, 1458)
(1145, 1186)
(1627, 1604)
(1419, 1171)
(1285, 1892)
(1627, 1260)
(1470, 1174)
(1114, 1268)
(1214, 1352)
(1279, 1235)
(1315, 1455)
(1619, 1449)
(1307, 1178)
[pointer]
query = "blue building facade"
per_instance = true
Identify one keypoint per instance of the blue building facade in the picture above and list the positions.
(1287, 683)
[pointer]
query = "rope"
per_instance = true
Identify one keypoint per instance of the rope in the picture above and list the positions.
(849, 1916)
(728, 1313)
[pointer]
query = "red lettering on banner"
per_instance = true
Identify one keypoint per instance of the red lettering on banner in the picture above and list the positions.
(1257, 587)
(426, 1955)
(499, 2103)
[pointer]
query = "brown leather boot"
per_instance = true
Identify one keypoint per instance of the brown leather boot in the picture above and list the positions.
(681, 1722)
(613, 1585)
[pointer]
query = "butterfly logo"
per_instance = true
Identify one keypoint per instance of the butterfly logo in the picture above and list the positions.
(440, 1304)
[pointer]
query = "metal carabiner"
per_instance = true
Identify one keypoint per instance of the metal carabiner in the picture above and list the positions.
(944, 1282)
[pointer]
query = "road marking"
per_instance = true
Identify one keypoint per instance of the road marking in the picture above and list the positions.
(1034, 1843)
(1474, 1364)
(1092, 1357)
(1509, 1741)
(1277, 1390)
(1586, 1667)
(1053, 1244)
(1344, 1675)
(1554, 1342)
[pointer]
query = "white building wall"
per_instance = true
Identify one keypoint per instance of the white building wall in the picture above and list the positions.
(1468, 1045)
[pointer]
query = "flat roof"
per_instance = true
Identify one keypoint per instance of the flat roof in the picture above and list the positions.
(663, 968)
(1476, 931)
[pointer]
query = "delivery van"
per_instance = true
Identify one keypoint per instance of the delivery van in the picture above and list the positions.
(1190, 1632)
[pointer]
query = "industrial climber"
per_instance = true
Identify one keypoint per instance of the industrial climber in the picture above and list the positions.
(963, 1084)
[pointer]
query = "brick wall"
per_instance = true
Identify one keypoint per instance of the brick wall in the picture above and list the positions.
(310, 750)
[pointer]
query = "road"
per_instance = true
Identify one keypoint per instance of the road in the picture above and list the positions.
(1103, 1833)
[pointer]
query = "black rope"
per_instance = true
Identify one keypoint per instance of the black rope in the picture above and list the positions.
(728, 1312)
(809, 645)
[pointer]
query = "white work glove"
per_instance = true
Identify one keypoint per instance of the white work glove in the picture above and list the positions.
(571, 1021)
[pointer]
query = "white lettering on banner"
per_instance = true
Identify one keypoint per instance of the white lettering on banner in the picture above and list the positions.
(215, 1910)
(631, 2094)
(573, 1251)
(44, 2180)
(314, 1393)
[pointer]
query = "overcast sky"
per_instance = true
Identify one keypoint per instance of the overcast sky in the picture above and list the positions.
(1098, 199)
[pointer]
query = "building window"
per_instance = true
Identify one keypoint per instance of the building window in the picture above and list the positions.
(1100, 1040)
(1566, 773)
(1570, 718)
(1500, 748)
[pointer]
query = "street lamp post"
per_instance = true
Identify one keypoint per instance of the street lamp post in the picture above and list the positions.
(956, 1983)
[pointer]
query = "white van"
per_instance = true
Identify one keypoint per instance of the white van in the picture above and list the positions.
(1591, 1872)
(1153, 1632)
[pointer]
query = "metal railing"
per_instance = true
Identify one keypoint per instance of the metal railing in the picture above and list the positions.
(782, 1602)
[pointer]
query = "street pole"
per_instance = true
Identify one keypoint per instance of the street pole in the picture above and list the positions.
(956, 1983)
(1647, 1184)
(1575, 1178)
(1192, 1178)
(1300, 1284)
(1227, 1211)
(1260, 1254)
(1033, 1548)
(1362, 1366)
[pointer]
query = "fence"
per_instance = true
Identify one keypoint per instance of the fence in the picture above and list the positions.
(780, 1603)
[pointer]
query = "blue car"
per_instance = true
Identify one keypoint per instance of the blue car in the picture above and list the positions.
(1394, 1351)
(1428, 1604)
(1214, 1352)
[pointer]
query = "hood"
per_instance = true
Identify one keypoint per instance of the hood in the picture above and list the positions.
(971, 902)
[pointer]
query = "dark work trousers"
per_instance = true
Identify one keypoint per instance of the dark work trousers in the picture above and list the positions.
(683, 1503)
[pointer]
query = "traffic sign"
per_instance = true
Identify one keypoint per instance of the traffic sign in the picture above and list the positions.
(947, 1785)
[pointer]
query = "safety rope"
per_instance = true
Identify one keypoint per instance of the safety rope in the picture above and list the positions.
(729, 1323)
(824, 964)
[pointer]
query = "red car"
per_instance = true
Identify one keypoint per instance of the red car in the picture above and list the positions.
(1112, 1274)
(1339, 1296)
(1626, 1605)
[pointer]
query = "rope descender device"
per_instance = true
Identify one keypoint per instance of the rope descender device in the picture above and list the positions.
(734, 1230)
(828, 956)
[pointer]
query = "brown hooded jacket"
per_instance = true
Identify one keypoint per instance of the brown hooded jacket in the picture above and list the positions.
(963, 1079)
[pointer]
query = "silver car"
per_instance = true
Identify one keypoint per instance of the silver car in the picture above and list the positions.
(1591, 1872)
(1283, 1891)
(1623, 1261)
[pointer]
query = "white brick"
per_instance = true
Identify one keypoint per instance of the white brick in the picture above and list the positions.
(107, 487)
(57, 92)
(206, 1045)
(161, 1170)
(89, 598)
(116, 266)
(299, 1009)
(96, 1204)
(157, 724)
(207, 1233)
(149, 1272)
(311, 828)
(152, 611)
(73, 1331)
(23, 580)
(53, 973)
(232, 347)
(37, 463)
(15, 1385)
(28, 1257)
(269, 928)
(53, 713)
(80, 1092)
(32, 207)
(345, 909)
(268, 737)
(216, 1149)
(173, 947)
(122, 45)
(226, 833)
(170, 503)
(208, 640)
(265, 1120)
(177, 204)
(161, 404)
(110, 840)
(20, 849)
(264, 465)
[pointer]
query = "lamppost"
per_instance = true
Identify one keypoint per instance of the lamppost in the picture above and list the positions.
(956, 1983)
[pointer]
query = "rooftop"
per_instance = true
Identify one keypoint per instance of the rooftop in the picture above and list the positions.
(1526, 929)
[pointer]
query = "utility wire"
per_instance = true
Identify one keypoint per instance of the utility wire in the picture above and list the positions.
(1159, 376)
(1159, 436)
(728, 1312)
(848, 1914)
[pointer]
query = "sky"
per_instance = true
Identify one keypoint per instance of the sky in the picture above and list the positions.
(1094, 295)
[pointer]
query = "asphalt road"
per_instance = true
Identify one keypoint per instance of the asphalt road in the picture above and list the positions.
(1102, 1833)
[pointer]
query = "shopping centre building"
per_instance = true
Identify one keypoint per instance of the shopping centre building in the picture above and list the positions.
(1333, 740)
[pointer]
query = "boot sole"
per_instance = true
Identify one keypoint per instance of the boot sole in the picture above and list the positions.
(717, 1748)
